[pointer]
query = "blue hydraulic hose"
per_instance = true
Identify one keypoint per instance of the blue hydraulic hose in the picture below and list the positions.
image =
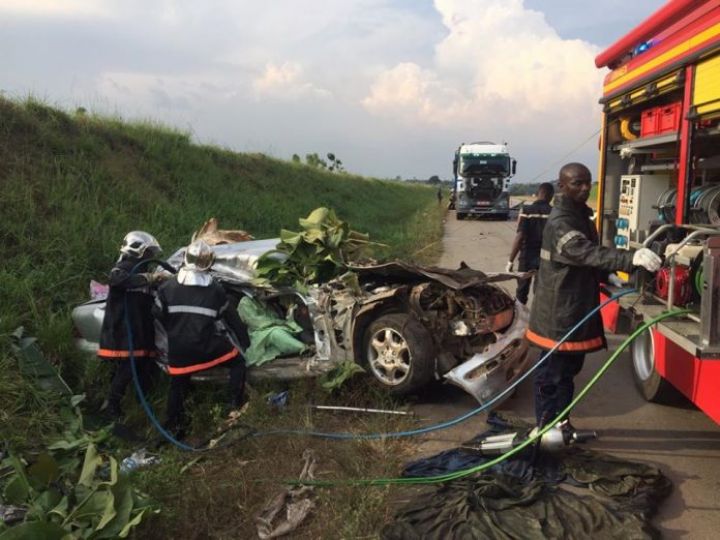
(459, 419)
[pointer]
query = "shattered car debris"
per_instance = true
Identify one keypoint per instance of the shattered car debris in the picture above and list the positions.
(406, 324)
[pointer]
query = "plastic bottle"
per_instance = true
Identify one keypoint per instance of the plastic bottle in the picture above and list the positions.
(137, 460)
(128, 465)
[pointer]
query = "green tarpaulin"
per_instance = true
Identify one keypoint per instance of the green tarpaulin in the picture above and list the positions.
(270, 336)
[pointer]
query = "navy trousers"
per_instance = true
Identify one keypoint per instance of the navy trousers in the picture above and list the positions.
(554, 384)
(526, 263)
(180, 387)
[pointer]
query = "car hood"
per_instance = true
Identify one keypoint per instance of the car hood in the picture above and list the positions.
(462, 278)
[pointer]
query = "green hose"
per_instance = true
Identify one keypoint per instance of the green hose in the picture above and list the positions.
(527, 442)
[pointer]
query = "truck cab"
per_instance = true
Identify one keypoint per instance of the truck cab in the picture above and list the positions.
(482, 172)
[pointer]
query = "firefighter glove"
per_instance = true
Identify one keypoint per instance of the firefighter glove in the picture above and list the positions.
(509, 266)
(647, 259)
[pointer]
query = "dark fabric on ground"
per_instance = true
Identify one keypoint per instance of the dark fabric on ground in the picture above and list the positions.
(528, 498)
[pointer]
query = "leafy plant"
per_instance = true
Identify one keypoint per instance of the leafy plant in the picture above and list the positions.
(316, 254)
(67, 497)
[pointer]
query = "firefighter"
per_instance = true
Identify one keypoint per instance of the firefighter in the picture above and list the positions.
(528, 239)
(134, 292)
(203, 331)
(572, 265)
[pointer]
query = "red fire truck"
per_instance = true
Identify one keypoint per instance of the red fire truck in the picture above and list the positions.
(659, 186)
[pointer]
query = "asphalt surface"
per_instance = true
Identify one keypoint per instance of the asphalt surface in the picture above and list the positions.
(681, 440)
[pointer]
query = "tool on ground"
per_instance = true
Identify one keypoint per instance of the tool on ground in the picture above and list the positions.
(561, 436)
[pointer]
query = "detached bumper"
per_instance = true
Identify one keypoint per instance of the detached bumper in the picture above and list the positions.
(487, 374)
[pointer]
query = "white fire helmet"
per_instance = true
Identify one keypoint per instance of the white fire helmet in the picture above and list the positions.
(140, 244)
(199, 256)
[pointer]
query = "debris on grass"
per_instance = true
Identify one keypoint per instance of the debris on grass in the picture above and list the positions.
(296, 502)
(336, 377)
(137, 460)
(360, 409)
(10, 513)
(279, 399)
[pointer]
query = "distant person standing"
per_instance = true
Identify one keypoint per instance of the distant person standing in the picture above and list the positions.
(439, 195)
(528, 239)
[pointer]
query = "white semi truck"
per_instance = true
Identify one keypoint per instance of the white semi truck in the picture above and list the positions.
(482, 172)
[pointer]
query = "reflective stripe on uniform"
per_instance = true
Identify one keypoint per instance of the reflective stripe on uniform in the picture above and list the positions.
(541, 216)
(545, 255)
(568, 346)
(205, 365)
(109, 353)
(193, 309)
(566, 238)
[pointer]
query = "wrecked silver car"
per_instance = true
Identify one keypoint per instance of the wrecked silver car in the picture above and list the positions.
(405, 324)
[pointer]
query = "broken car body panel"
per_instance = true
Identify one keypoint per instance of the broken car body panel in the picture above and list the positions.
(490, 372)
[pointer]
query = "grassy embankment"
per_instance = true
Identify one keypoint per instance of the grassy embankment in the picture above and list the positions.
(71, 186)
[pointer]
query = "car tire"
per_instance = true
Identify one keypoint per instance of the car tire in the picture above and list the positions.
(460, 216)
(649, 382)
(399, 353)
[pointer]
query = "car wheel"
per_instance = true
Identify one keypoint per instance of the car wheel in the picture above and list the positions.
(460, 216)
(399, 353)
(649, 382)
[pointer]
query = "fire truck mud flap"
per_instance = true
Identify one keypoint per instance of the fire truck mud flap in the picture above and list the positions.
(487, 374)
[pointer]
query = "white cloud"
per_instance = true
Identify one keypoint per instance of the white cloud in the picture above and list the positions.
(499, 64)
(391, 86)
(285, 81)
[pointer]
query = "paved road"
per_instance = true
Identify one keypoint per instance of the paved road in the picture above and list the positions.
(682, 441)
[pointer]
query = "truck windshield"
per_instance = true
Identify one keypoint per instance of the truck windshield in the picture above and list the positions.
(471, 164)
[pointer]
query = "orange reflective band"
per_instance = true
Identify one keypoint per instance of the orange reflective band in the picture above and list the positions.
(109, 353)
(574, 346)
(205, 365)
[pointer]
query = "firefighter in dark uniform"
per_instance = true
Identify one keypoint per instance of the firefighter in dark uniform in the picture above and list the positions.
(572, 266)
(528, 239)
(133, 291)
(203, 330)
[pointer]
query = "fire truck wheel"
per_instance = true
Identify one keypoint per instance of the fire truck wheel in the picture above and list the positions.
(399, 353)
(651, 385)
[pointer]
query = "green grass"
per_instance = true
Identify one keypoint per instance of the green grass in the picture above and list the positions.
(72, 185)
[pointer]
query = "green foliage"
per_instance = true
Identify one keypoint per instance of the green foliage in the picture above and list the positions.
(336, 377)
(71, 490)
(315, 161)
(335, 163)
(315, 255)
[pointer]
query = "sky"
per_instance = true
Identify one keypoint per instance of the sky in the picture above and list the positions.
(391, 87)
